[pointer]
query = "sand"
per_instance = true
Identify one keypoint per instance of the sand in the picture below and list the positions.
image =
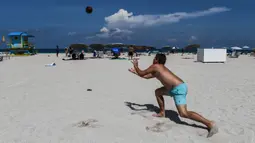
(41, 104)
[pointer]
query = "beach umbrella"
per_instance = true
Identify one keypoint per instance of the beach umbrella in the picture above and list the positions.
(115, 50)
(236, 48)
(150, 48)
(167, 48)
(193, 46)
(97, 47)
(112, 45)
(79, 47)
(138, 48)
(246, 47)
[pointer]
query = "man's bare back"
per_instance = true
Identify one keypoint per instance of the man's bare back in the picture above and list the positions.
(166, 77)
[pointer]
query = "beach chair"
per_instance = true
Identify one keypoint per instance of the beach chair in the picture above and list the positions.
(5, 55)
(108, 53)
(1, 56)
(100, 54)
(189, 56)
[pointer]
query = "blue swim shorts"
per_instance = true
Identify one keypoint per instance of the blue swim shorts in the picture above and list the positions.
(179, 94)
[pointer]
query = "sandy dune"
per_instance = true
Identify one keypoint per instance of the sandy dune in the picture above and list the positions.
(41, 104)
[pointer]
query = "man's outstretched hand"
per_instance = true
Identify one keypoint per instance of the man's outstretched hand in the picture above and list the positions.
(135, 62)
(132, 70)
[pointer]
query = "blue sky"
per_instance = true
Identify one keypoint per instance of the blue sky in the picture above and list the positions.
(145, 22)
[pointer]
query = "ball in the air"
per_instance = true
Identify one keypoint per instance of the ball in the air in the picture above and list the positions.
(89, 9)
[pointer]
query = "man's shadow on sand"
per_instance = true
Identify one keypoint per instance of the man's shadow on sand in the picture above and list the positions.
(170, 114)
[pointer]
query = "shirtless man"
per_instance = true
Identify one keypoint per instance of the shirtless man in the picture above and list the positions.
(173, 86)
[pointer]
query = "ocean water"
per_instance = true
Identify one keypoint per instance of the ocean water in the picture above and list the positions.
(44, 50)
(50, 50)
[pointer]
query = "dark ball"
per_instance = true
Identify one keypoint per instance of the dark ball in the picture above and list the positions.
(89, 9)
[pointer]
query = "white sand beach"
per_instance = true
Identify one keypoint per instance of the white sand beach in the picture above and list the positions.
(41, 104)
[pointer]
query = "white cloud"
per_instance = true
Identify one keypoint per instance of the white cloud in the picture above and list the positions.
(115, 33)
(126, 20)
(119, 24)
(192, 38)
(104, 30)
(71, 33)
(172, 40)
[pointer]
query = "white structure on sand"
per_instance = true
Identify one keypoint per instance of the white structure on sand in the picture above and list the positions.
(211, 55)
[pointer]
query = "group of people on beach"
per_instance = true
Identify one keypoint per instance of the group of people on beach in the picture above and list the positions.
(70, 52)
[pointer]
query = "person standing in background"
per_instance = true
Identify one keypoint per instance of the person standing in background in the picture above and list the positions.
(66, 51)
(130, 53)
(57, 50)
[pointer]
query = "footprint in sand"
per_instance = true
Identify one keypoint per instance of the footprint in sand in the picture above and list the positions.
(91, 123)
(159, 127)
(141, 113)
(148, 115)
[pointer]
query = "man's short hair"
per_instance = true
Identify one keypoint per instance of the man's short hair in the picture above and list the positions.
(161, 58)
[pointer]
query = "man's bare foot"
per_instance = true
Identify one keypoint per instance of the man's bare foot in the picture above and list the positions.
(212, 123)
(212, 130)
(159, 115)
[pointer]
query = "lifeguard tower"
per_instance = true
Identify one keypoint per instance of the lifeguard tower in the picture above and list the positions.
(19, 45)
